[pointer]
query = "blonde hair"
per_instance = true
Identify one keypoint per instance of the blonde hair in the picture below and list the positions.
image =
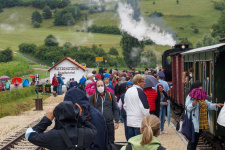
(137, 78)
(150, 127)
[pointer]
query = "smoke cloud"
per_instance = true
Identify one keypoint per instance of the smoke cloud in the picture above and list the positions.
(140, 29)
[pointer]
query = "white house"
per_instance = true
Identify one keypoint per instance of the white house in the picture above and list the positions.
(69, 69)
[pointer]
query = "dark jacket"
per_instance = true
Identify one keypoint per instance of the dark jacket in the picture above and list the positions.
(123, 112)
(72, 84)
(157, 102)
(66, 117)
(110, 109)
(93, 115)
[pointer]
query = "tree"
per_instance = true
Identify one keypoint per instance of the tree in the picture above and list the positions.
(91, 10)
(50, 40)
(219, 28)
(113, 51)
(36, 17)
(6, 55)
(47, 13)
(36, 24)
(131, 49)
(1, 10)
(207, 40)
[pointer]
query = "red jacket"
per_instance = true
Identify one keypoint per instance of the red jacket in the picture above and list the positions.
(152, 97)
(55, 81)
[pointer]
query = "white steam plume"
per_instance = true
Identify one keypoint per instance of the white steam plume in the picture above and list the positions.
(140, 29)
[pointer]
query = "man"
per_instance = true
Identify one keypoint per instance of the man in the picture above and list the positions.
(73, 84)
(94, 74)
(55, 84)
(59, 90)
(106, 81)
(165, 85)
(68, 84)
(105, 102)
(133, 71)
(76, 96)
(136, 105)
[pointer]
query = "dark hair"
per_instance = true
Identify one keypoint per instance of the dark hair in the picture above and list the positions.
(190, 70)
(127, 78)
(94, 72)
(194, 85)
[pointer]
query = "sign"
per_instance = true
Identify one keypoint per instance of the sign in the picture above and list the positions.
(37, 77)
(66, 68)
(99, 59)
(66, 72)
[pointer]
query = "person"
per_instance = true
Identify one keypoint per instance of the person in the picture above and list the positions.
(105, 102)
(67, 117)
(68, 84)
(90, 88)
(55, 83)
(190, 75)
(1, 86)
(165, 85)
(90, 78)
(73, 84)
(147, 140)
(77, 96)
(59, 90)
(161, 106)
(106, 81)
(33, 81)
(199, 108)
(16, 84)
(114, 81)
(101, 72)
(136, 105)
(82, 83)
(46, 82)
(94, 74)
(7, 84)
(152, 97)
(123, 112)
(25, 82)
(133, 71)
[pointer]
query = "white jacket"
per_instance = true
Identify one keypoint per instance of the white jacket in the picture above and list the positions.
(136, 106)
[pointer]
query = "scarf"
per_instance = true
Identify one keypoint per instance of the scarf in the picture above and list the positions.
(203, 119)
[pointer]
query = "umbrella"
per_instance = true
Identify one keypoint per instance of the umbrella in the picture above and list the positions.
(4, 77)
(150, 81)
(32, 76)
(18, 79)
(168, 113)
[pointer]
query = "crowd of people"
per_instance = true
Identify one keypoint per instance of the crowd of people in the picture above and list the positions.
(99, 102)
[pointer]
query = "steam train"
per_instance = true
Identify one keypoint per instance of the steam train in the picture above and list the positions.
(207, 64)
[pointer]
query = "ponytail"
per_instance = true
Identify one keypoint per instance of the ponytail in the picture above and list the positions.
(150, 127)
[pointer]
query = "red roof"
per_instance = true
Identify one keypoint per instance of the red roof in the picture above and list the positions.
(71, 60)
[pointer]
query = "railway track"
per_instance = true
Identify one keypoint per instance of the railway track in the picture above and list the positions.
(206, 141)
(18, 140)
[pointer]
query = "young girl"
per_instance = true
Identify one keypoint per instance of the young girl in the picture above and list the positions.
(147, 140)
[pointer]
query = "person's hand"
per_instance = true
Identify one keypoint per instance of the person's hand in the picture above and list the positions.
(194, 102)
(116, 126)
(219, 105)
(166, 104)
(80, 109)
(49, 113)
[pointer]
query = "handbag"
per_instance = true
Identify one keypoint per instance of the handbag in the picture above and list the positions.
(188, 127)
(180, 122)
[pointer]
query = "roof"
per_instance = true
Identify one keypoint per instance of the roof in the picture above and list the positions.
(203, 49)
(72, 61)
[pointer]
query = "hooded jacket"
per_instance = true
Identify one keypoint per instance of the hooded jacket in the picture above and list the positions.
(105, 105)
(66, 117)
(91, 91)
(93, 115)
(135, 143)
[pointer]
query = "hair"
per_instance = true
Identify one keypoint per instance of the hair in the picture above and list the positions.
(150, 127)
(94, 71)
(127, 78)
(105, 69)
(196, 84)
(138, 78)
(159, 86)
(190, 70)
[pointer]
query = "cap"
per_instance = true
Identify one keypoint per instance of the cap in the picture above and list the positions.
(161, 74)
(129, 84)
(90, 75)
(106, 75)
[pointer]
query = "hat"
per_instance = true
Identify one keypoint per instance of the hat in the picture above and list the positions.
(129, 84)
(161, 75)
(123, 78)
(99, 76)
(107, 75)
(90, 75)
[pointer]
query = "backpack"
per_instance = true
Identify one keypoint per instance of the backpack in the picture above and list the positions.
(96, 96)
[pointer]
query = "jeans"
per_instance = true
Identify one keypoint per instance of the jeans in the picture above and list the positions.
(126, 128)
(111, 132)
(192, 146)
(59, 89)
(133, 132)
(162, 117)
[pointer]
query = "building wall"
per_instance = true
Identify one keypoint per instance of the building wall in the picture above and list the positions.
(76, 74)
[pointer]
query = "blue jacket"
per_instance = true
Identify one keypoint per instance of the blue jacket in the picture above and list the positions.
(76, 95)
(195, 111)
(25, 82)
(72, 84)
(82, 80)
(60, 80)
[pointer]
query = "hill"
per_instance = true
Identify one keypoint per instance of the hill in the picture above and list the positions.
(183, 18)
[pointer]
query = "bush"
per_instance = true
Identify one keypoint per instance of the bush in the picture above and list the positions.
(113, 51)
(104, 29)
(219, 6)
(155, 14)
(27, 48)
(196, 31)
(36, 25)
(6, 55)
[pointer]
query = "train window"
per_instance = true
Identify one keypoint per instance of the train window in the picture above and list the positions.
(208, 77)
(196, 71)
(211, 78)
(168, 59)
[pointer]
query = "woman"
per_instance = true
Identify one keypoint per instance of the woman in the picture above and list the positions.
(161, 104)
(16, 84)
(197, 104)
(1, 86)
(7, 84)
(152, 97)
(147, 140)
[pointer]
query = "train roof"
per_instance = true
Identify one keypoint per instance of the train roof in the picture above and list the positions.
(203, 49)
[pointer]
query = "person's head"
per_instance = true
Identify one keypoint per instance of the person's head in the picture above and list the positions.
(115, 72)
(146, 69)
(127, 78)
(106, 81)
(139, 80)
(133, 69)
(100, 86)
(129, 85)
(149, 73)
(94, 72)
(59, 74)
(72, 79)
(146, 72)
(161, 75)
(90, 76)
(114, 78)
(160, 87)
(107, 75)
(55, 75)
(131, 76)
(196, 84)
(150, 127)
(123, 78)
(105, 70)
(6, 80)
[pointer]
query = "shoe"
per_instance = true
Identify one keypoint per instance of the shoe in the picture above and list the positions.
(163, 132)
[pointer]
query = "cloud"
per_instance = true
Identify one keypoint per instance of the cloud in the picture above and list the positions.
(140, 29)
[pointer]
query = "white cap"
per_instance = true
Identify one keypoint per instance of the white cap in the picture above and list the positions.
(90, 75)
